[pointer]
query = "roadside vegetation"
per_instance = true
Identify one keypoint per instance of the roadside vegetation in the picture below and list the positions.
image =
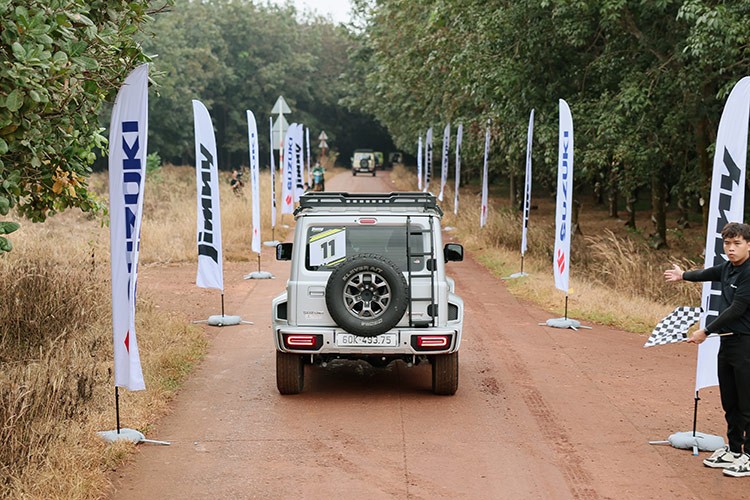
(56, 381)
(646, 83)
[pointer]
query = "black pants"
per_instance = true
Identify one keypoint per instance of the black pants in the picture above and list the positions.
(734, 385)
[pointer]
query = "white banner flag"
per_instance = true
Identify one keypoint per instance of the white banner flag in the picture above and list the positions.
(428, 160)
(727, 204)
(561, 255)
(299, 162)
(419, 164)
(273, 174)
(309, 170)
(485, 180)
(288, 172)
(252, 136)
(210, 269)
(128, 133)
(527, 187)
(444, 165)
(459, 140)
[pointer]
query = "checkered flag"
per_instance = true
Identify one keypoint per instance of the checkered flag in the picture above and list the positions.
(674, 327)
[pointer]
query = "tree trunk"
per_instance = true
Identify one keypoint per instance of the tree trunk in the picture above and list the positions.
(658, 210)
(706, 168)
(612, 191)
(574, 218)
(513, 196)
(630, 208)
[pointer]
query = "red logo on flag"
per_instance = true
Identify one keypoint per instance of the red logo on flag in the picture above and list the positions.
(127, 342)
(288, 199)
(560, 261)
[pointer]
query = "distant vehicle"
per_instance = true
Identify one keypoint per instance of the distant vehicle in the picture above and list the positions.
(363, 161)
(378, 160)
(395, 158)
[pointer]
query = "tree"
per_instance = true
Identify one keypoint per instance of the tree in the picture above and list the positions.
(645, 81)
(62, 59)
(243, 55)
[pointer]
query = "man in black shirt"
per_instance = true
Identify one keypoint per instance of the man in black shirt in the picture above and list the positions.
(734, 352)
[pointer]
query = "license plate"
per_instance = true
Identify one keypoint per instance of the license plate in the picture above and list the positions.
(349, 340)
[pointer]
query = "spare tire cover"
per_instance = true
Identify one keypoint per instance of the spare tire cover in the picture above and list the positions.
(366, 295)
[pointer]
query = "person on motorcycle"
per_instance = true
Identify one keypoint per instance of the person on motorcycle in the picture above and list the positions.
(319, 183)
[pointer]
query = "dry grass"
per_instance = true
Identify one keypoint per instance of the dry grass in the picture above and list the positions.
(56, 381)
(615, 280)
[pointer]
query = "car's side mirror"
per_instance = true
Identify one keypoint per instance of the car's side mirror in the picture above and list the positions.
(284, 251)
(453, 252)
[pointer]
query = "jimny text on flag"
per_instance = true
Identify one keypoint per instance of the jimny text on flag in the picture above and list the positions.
(210, 267)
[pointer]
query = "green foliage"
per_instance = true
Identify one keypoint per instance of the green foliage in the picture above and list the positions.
(62, 60)
(7, 228)
(645, 81)
(153, 163)
(242, 55)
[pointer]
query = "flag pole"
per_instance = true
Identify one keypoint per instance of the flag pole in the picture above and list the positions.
(695, 412)
(117, 408)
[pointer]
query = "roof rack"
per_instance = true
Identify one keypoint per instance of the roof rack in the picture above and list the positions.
(401, 199)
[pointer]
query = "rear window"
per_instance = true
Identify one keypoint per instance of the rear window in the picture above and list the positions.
(328, 246)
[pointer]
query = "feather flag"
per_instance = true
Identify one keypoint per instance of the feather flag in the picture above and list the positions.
(527, 185)
(561, 259)
(428, 160)
(485, 178)
(273, 175)
(726, 204)
(252, 136)
(459, 140)
(288, 171)
(210, 267)
(444, 165)
(419, 164)
(128, 134)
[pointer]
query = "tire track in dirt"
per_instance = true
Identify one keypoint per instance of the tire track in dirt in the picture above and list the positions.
(569, 462)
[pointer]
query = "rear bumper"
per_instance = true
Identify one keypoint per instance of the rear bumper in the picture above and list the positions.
(409, 341)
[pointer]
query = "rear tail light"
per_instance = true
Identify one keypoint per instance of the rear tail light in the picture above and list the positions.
(431, 342)
(302, 341)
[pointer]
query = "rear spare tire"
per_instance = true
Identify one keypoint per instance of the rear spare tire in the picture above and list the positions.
(366, 295)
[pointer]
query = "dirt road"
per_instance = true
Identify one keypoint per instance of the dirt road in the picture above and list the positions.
(540, 412)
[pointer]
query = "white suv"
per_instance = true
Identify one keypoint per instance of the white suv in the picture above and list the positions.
(368, 283)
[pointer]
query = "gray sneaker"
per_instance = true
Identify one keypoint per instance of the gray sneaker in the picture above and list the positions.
(741, 467)
(722, 458)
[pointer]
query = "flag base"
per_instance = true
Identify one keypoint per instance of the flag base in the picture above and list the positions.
(259, 275)
(564, 323)
(515, 275)
(131, 435)
(271, 243)
(224, 320)
(695, 441)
